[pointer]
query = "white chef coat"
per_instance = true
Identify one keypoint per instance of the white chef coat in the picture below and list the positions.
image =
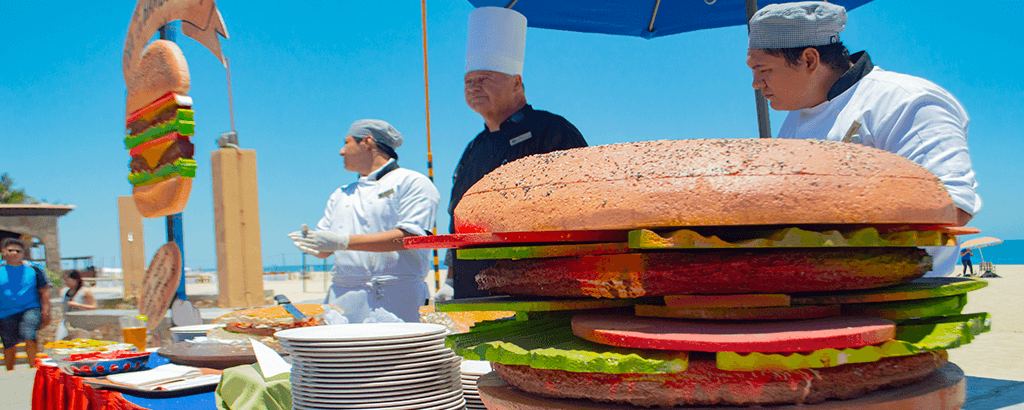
(402, 199)
(905, 115)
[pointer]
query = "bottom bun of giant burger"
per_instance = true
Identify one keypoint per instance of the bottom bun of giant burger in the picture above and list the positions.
(162, 198)
(703, 384)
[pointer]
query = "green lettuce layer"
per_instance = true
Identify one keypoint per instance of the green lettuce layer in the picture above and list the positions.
(912, 337)
(550, 344)
(185, 167)
(182, 123)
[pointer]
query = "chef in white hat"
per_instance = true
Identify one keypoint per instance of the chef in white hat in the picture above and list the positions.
(512, 128)
(800, 65)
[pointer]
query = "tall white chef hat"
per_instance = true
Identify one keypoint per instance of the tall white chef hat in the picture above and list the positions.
(497, 40)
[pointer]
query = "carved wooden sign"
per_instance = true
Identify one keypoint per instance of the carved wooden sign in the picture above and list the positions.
(200, 20)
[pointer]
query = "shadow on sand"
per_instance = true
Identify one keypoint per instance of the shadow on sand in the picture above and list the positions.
(992, 394)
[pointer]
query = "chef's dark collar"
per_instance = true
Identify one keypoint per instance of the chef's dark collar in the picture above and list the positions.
(861, 67)
(390, 166)
(515, 118)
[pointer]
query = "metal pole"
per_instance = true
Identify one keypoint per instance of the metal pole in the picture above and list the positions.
(174, 232)
(763, 127)
(430, 154)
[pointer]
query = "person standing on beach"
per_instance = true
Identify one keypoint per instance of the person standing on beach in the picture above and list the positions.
(24, 302)
(364, 223)
(76, 297)
(965, 259)
(512, 128)
(800, 65)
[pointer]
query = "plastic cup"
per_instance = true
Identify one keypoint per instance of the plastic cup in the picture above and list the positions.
(133, 330)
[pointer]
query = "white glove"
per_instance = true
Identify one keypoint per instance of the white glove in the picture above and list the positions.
(446, 292)
(298, 235)
(314, 242)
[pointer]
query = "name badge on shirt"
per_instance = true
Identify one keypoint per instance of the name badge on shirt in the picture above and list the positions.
(385, 193)
(520, 138)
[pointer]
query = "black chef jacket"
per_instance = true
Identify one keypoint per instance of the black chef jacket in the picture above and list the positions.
(524, 133)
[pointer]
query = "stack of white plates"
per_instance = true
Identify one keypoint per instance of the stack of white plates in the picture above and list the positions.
(472, 370)
(396, 366)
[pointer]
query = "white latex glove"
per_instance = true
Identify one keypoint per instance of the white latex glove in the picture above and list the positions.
(299, 235)
(446, 292)
(321, 241)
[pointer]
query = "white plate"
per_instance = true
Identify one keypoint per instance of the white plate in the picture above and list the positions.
(383, 394)
(439, 367)
(476, 367)
(448, 403)
(436, 396)
(377, 397)
(360, 331)
(306, 351)
(317, 381)
(419, 366)
(374, 365)
(358, 343)
(371, 356)
(411, 359)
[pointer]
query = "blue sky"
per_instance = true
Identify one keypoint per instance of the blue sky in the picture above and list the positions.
(303, 71)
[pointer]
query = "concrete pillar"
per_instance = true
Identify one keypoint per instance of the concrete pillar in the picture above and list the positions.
(237, 226)
(133, 247)
(43, 227)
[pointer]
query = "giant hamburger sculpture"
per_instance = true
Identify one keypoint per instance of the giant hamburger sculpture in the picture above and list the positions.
(763, 272)
(158, 119)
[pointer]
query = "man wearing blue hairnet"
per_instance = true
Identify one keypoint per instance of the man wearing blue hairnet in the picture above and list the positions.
(364, 223)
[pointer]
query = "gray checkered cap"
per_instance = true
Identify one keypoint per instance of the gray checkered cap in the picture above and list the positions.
(381, 131)
(801, 24)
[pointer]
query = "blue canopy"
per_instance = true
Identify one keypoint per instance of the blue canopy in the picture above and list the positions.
(640, 18)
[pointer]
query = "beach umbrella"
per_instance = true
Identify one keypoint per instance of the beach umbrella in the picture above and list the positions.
(980, 243)
(645, 19)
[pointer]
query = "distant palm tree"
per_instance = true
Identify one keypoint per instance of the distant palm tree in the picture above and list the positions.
(9, 195)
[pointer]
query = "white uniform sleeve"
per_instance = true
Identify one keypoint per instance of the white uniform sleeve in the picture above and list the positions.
(931, 130)
(417, 208)
(332, 203)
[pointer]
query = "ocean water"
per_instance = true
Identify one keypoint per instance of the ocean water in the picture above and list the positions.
(1010, 252)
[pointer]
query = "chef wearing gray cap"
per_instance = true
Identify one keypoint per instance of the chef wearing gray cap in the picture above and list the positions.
(800, 65)
(364, 223)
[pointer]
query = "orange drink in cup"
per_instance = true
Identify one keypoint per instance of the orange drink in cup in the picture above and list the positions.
(133, 330)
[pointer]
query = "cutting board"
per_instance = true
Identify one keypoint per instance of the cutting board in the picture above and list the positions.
(160, 284)
(712, 336)
(460, 240)
(750, 300)
(211, 355)
(756, 313)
